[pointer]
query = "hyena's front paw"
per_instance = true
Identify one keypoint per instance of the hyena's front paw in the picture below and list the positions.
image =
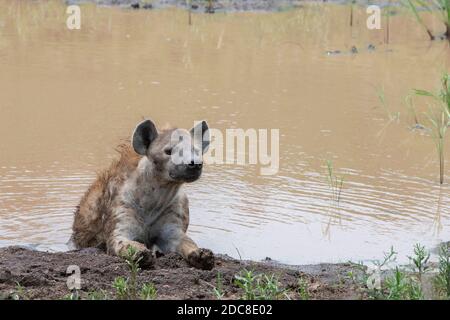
(138, 252)
(146, 259)
(201, 259)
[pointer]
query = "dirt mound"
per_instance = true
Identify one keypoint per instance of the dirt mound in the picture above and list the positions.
(29, 274)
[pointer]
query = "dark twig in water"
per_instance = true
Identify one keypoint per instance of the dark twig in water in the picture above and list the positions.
(188, 4)
(238, 252)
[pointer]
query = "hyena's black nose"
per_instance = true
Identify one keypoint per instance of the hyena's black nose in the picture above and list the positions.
(194, 165)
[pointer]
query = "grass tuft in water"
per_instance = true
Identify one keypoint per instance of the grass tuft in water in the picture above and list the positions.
(412, 109)
(382, 98)
(335, 182)
(439, 118)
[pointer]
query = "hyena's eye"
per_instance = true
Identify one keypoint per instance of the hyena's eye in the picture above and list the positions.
(168, 151)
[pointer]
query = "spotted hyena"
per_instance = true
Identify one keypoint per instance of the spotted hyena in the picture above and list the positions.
(139, 200)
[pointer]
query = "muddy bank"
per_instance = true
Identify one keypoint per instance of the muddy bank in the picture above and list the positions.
(199, 5)
(216, 5)
(220, 5)
(42, 275)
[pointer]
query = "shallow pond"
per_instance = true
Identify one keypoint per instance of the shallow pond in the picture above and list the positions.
(68, 97)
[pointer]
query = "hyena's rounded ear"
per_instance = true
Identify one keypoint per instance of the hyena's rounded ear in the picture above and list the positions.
(201, 135)
(143, 136)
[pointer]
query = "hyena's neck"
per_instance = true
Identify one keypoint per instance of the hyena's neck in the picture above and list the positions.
(150, 193)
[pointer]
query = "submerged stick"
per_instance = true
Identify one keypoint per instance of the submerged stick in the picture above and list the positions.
(188, 3)
(351, 14)
(441, 166)
(388, 24)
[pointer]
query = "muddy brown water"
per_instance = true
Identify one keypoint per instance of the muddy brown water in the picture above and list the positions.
(68, 97)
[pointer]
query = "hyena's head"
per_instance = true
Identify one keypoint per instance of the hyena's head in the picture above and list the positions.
(176, 154)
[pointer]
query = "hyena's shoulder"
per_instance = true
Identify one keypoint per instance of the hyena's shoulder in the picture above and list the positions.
(126, 163)
(109, 182)
(91, 223)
